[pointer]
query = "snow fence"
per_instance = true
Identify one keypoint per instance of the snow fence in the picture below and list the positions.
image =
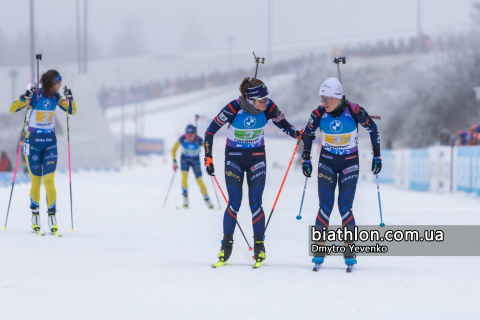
(436, 169)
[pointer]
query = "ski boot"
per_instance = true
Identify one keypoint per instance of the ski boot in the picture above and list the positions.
(185, 200)
(318, 257)
(350, 258)
(52, 223)
(36, 221)
(207, 202)
(259, 250)
(225, 251)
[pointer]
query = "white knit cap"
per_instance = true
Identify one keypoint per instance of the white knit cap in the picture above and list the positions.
(331, 88)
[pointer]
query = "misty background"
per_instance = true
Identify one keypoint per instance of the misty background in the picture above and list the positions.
(412, 62)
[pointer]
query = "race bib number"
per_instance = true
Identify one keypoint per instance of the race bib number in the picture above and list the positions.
(44, 116)
(338, 139)
(26, 149)
(248, 134)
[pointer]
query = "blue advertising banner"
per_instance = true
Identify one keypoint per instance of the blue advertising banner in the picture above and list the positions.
(386, 175)
(419, 169)
(145, 147)
(464, 168)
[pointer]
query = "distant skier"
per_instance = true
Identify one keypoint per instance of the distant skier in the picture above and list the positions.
(245, 154)
(190, 157)
(338, 162)
(40, 145)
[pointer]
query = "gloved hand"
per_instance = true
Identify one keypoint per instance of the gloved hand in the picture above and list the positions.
(376, 164)
(298, 133)
(209, 166)
(306, 165)
(28, 95)
(175, 165)
(68, 94)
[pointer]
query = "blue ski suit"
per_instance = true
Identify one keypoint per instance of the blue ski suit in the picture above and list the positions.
(245, 153)
(338, 162)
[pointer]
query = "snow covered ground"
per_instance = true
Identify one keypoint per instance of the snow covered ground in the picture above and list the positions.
(130, 259)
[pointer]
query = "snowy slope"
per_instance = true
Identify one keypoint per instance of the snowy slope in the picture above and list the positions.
(129, 259)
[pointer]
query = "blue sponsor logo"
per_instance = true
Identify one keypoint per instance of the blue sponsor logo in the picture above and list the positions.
(336, 125)
(250, 122)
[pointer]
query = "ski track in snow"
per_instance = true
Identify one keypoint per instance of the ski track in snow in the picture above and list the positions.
(129, 259)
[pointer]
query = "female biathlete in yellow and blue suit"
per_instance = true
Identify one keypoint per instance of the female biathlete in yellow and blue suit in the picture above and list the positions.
(40, 146)
(191, 144)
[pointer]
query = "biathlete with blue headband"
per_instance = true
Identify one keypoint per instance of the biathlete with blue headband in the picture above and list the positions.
(338, 162)
(245, 154)
(40, 145)
(190, 157)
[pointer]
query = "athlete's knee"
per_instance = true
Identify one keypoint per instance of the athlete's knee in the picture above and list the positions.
(36, 181)
(49, 180)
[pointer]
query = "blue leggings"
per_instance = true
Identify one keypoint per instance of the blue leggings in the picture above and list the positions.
(253, 163)
(334, 168)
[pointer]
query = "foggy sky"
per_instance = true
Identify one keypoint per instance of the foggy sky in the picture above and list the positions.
(163, 27)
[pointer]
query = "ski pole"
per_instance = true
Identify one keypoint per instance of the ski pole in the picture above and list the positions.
(337, 61)
(16, 163)
(219, 188)
(379, 204)
(216, 194)
(168, 191)
(301, 204)
(284, 178)
(69, 162)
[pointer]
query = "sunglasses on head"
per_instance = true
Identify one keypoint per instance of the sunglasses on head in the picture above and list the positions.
(325, 99)
(262, 99)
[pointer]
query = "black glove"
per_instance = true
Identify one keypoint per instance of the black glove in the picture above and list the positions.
(298, 133)
(68, 94)
(28, 95)
(209, 166)
(306, 165)
(376, 162)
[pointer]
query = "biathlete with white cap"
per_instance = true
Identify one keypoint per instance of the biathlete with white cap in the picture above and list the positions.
(338, 162)
(245, 153)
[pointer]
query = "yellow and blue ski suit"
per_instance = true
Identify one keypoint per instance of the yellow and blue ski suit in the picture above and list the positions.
(40, 144)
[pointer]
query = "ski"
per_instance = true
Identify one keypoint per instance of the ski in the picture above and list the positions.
(38, 232)
(220, 264)
(317, 267)
(181, 208)
(258, 264)
(55, 233)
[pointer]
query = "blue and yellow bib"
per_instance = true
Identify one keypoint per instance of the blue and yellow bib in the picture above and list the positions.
(339, 135)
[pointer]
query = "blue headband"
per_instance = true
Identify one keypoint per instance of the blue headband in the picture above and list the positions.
(57, 79)
(257, 92)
